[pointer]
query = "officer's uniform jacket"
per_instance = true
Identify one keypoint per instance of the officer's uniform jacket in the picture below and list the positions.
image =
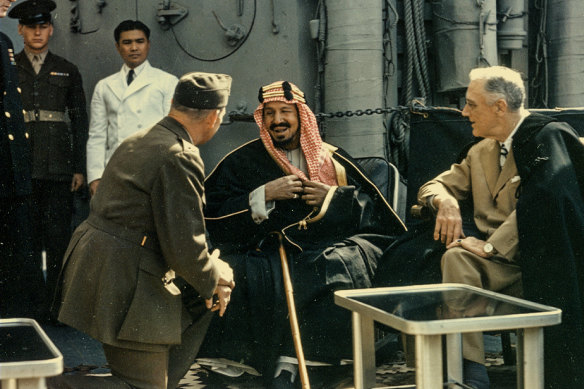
(493, 191)
(119, 110)
(58, 148)
(14, 140)
(146, 218)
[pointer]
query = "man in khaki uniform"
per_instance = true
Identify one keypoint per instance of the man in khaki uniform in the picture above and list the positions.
(146, 223)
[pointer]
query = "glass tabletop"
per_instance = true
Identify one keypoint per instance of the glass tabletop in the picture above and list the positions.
(22, 343)
(437, 305)
(446, 308)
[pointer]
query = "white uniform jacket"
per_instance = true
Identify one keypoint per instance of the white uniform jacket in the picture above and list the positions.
(119, 110)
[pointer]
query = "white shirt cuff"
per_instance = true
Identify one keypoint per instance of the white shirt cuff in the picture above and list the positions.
(260, 208)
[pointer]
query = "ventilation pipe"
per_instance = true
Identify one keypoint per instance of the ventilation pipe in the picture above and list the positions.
(465, 37)
(566, 53)
(354, 75)
(510, 30)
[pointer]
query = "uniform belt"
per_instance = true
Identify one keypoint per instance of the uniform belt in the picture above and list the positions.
(147, 240)
(43, 115)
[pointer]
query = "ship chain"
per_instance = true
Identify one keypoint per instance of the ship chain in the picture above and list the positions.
(360, 112)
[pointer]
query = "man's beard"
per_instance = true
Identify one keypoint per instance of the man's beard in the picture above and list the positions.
(281, 144)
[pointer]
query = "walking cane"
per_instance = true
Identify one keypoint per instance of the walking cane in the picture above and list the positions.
(292, 314)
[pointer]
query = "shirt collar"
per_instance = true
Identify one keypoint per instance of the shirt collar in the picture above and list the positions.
(30, 55)
(137, 69)
(509, 139)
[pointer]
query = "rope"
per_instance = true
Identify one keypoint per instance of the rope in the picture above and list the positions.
(416, 52)
(388, 69)
(320, 14)
(421, 43)
(399, 140)
(409, 27)
(539, 83)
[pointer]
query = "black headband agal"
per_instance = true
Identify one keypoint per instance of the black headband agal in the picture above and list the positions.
(281, 89)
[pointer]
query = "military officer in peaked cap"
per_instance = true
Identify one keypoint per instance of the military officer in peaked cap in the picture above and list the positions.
(51, 88)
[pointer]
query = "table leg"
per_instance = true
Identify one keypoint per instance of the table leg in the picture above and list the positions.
(32, 383)
(23, 383)
(533, 377)
(454, 358)
(363, 352)
(429, 362)
(9, 383)
(519, 349)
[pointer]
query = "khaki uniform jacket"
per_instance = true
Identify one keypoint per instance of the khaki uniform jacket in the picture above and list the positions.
(492, 189)
(112, 286)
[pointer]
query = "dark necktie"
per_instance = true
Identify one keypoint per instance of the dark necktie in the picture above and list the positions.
(130, 76)
(503, 155)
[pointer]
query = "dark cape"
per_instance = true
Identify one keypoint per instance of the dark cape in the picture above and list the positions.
(550, 218)
(331, 248)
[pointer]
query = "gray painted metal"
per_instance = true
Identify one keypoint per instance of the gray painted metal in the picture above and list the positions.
(353, 75)
(566, 53)
(263, 58)
(510, 29)
(465, 37)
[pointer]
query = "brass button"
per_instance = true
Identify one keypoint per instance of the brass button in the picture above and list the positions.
(26, 135)
(10, 136)
(7, 114)
(19, 90)
(24, 112)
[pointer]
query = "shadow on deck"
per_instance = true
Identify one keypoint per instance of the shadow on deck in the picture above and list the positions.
(83, 355)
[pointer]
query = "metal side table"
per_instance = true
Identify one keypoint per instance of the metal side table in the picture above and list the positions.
(430, 311)
(27, 355)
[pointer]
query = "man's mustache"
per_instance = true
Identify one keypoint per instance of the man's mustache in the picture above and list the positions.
(283, 124)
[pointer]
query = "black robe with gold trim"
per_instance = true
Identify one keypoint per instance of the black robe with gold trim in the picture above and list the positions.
(331, 248)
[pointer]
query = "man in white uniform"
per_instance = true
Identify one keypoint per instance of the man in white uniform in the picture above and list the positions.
(130, 100)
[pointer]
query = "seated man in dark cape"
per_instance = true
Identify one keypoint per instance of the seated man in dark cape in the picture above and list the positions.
(335, 225)
(524, 183)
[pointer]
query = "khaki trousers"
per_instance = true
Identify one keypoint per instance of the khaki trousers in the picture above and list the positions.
(494, 274)
(143, 369)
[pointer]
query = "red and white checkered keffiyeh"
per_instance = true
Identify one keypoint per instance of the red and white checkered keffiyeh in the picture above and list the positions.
(318, 160)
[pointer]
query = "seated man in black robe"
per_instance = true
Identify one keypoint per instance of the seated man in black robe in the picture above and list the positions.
(335, 225)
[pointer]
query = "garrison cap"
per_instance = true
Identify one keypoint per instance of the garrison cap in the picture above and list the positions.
(31, 12)
(203, 90)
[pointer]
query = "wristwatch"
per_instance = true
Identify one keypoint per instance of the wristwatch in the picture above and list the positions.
(489, 249)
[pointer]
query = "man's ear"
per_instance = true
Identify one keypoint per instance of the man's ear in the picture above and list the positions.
(501, 106)
(20, 28)
(212, 117)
